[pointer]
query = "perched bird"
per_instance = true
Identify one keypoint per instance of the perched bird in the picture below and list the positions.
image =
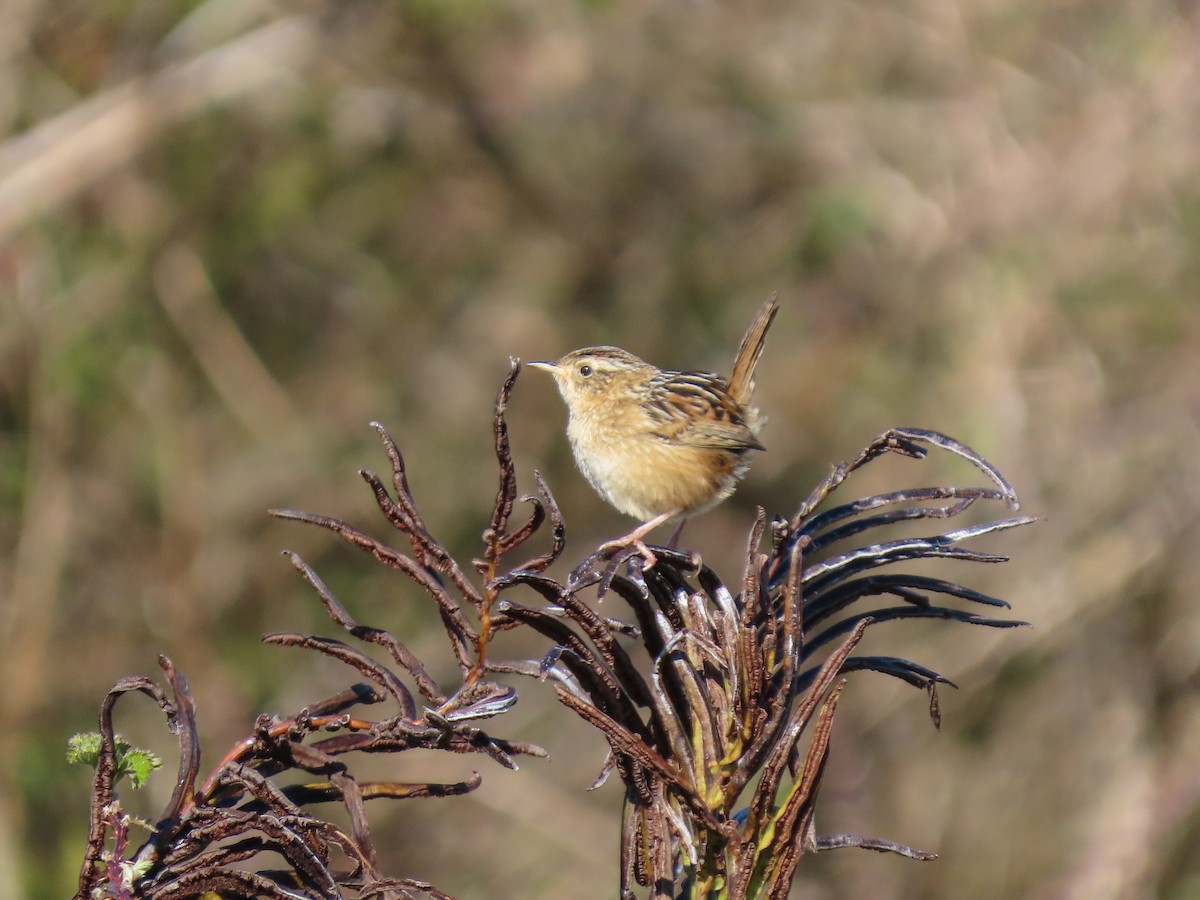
(655, 443)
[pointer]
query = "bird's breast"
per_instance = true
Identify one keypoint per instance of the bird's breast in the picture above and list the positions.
(643, 475)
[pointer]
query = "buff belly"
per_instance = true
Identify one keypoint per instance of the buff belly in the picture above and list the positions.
(649, 477)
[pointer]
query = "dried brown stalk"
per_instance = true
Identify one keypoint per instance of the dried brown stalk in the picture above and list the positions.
(717, 705)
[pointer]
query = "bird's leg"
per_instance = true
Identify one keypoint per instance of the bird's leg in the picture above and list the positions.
(674, 541)
(634, 540)
(622, 548)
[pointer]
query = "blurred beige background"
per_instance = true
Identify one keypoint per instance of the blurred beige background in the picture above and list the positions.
(232, 233)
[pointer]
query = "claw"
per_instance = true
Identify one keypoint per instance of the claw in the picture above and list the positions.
(614, 554)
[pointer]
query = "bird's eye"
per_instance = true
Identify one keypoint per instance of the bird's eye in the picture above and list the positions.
(585, 370)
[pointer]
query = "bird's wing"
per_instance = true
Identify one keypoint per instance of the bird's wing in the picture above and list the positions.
(695, 409)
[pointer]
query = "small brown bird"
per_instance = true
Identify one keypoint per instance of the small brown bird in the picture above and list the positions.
(659, 444)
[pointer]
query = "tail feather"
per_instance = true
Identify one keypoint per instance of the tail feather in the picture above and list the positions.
(741, 379)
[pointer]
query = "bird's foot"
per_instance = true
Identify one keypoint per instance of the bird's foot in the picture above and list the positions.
(602, 566)
(613, 554)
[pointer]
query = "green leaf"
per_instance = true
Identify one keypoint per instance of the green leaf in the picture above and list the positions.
(132, 762)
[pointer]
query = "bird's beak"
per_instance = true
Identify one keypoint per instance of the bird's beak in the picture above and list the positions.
(548, 366)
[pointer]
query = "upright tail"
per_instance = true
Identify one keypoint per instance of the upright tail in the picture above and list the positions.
(741, 379)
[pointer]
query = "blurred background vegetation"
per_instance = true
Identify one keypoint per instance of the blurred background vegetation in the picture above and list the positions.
(232, 232)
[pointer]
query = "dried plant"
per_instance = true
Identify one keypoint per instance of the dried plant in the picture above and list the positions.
(209, 834)
(720, 786)
(717, 707)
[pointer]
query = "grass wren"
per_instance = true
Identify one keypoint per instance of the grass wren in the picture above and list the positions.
(655, 443)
